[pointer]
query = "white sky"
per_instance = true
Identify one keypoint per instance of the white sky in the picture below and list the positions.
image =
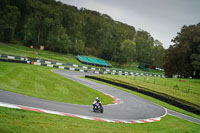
(161, 18)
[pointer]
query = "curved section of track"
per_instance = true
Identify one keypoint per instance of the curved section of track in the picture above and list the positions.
(131, 107)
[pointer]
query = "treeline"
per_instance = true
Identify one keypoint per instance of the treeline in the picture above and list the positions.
(183, 58)
(63, 28)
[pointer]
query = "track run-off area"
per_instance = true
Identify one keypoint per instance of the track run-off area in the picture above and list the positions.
(127, 108)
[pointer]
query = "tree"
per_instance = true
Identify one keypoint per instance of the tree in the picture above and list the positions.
(171, 61)
(196, 64)
(127, 52)
(8, 21)
(44, 27)
(79, 47)
(58, 40)
(158, 52)
(35, 25)
(184, 54)
(144, 47)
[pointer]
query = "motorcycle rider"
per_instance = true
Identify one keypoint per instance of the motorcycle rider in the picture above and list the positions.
(97, 101)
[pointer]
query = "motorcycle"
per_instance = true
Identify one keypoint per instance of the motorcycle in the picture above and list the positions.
(97, 108)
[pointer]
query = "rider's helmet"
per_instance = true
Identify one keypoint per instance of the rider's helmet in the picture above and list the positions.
(97, 100)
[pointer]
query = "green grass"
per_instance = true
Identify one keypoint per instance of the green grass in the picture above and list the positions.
(164, 85)
(164, 104)
(21, 50)
(39, 81)
(14, 120)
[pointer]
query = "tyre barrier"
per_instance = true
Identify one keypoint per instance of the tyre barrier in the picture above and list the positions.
(14, 61)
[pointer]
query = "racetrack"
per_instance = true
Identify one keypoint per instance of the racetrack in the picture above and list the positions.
(130, 107)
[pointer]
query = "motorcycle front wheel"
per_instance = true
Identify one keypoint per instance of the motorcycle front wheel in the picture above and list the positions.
(94, 108)
(101, 109)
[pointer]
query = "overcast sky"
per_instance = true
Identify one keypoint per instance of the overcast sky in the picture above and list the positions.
(161, 18)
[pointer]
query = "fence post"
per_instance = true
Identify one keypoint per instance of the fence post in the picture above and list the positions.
(188, 90)
(165, 83)
(176, 87)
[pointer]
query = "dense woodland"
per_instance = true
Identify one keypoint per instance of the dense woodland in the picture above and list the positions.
(183, 58)
(66, 29)
(63, 28)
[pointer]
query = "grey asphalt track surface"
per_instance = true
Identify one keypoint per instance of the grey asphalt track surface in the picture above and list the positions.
(131, 107)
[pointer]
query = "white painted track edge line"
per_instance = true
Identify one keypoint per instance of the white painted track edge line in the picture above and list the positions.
(183, 114)
(184, 119)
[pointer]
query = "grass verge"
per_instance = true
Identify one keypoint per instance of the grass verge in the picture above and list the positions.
(40, 82)
(14, 120)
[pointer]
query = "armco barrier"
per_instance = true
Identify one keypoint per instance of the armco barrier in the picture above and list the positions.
(15, 61)
(163, 97)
